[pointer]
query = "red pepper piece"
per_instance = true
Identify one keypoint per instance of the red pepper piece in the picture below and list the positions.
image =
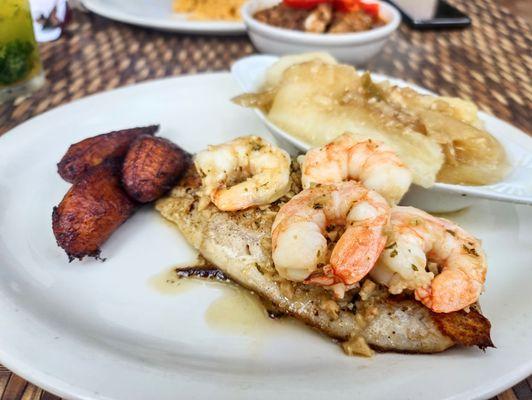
(347, 5)
(305, 4)
(371, 9)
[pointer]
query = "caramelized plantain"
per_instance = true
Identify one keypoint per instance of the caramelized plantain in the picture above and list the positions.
(152, 167)
(94, 207)
(84, 155)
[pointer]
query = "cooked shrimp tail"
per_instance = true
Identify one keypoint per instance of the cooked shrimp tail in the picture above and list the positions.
(299, 234)
(443, 264)
(370, 162)
(357, 251)
(245, 172)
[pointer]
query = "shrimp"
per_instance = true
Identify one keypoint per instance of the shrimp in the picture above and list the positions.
(245, 172)
(299, 244)
(443, 264)
(371, 162)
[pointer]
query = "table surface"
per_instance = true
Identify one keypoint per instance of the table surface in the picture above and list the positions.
(489, 63)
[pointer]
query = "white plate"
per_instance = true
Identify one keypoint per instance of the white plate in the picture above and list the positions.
(158, 14)
(93, 330)
(516, 187)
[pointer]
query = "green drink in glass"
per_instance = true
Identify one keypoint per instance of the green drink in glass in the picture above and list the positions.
(20, 65)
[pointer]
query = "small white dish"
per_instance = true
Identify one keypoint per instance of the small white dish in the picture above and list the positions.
(158, 14)
(354, 48)
(516, 187)
(99, 331)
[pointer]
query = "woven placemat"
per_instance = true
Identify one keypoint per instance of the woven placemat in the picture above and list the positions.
(490, 63)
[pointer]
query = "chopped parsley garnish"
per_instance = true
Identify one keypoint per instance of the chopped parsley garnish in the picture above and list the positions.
(471, 251)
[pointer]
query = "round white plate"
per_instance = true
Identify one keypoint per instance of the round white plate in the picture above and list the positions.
(158, 14)
(93, 330)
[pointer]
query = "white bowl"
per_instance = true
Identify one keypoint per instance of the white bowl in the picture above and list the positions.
(353, 48)
(516, 187)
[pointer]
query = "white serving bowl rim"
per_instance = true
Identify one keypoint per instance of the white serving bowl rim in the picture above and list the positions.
(289, 35)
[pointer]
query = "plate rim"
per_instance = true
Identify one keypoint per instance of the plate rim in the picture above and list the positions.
(212, 74)
(54, 384)
(197, 27)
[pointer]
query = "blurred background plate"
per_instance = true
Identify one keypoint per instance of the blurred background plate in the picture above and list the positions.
(158, 14)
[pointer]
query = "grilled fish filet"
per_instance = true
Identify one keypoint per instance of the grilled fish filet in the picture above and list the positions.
(239, 243)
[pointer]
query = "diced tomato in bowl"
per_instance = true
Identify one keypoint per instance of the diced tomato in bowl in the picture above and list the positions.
(305, 4)
(340, 5)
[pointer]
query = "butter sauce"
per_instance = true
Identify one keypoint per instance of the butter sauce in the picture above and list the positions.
(236, 310)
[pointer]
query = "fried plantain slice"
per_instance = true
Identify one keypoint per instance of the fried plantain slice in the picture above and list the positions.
(84, 155)
(94, 207)
(151, 168)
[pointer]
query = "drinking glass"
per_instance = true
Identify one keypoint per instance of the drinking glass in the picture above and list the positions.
(20, 65)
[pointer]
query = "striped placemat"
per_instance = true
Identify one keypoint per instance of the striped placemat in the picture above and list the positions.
(490, 63)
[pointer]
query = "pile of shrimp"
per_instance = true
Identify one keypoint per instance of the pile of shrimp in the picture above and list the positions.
(355, 186)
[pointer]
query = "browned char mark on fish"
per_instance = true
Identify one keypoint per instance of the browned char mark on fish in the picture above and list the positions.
(465, 328)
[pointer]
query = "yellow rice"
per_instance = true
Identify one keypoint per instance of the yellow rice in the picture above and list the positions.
(209, 9)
